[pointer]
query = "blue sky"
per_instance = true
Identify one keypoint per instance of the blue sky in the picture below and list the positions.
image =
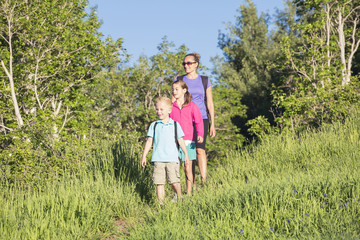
(196, 23)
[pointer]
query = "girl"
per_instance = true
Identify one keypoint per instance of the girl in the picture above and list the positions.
(187, 113)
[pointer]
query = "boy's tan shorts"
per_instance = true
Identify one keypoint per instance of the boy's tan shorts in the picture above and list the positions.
(161, 169)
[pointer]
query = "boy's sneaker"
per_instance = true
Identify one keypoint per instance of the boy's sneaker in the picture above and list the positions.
(175, 198)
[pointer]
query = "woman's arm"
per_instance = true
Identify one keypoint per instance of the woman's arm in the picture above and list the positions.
(210, 106)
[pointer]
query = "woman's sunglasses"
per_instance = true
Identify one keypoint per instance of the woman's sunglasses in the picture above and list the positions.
(188, 63)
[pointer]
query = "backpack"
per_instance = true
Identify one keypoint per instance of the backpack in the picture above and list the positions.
(175, 129)
(204, 80)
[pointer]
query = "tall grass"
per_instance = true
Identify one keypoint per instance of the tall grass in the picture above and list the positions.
(76, 207)
(289, 187)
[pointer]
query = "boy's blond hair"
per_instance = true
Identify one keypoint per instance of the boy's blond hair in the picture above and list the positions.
(165, 100)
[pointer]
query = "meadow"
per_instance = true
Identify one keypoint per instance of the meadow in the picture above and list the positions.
(290, 186)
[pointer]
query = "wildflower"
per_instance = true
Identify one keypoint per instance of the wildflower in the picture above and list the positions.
(288, 221)
(325, 201)
(271, 229)
(295, 191)
(242, 231)
(307, 215)
(325, 195)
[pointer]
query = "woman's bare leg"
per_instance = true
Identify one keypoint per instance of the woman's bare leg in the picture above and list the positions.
(202, 162)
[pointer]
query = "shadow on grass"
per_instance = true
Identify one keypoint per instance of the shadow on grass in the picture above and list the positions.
(127, 168)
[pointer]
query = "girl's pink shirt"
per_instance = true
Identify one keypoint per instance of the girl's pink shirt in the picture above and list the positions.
(185, 117)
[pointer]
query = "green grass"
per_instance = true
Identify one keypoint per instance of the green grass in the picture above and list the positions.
(288, 187)
(75, 207)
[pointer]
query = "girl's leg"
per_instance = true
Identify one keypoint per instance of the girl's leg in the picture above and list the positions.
(177, 188)
(189, 177)
(160, 191)
(202, 162)
(193, 174)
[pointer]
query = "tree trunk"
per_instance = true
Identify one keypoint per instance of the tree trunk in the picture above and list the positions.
(13, 95)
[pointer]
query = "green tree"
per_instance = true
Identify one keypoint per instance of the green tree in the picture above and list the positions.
(249, 61)
(125, 96)
(49, 51)
(321, 87)
(228, 107)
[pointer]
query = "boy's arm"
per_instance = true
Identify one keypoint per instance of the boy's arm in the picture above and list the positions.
(147, 148)
(183, 147)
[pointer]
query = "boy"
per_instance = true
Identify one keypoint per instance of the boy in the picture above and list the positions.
(165, 152)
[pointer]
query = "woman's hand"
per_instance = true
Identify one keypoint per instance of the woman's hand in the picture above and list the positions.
(200, 139)
(212, 131)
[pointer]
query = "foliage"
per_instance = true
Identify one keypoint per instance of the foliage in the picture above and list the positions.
(319, 87)
(29, 158)
(228, 107)
(260, 126)
(81, 207)
(125, 96)
(49, 52)
(249, 56)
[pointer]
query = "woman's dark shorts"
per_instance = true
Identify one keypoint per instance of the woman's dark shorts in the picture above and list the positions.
(206, 129)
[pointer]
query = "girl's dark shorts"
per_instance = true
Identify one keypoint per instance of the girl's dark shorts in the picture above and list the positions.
(206, 129)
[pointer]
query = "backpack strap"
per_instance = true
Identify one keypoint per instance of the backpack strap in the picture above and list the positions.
(154, 131)
(176, 139)
(205, 80)
(179, 78)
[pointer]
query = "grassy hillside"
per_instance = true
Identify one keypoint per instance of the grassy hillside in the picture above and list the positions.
(304, 186)
(287, 187)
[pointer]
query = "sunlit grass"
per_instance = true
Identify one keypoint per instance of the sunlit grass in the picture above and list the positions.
(288, 187)
(75, 207)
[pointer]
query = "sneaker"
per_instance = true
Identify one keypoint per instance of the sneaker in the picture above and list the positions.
(175, 198)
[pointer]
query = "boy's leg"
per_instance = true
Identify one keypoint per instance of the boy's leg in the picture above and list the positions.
(174, 177)
(160, 191)
(159, 178)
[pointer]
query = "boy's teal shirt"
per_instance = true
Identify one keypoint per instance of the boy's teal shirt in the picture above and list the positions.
(164, 145)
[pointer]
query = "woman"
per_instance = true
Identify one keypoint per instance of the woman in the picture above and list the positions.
(204, 99)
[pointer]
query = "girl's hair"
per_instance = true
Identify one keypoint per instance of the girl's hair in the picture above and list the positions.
(195, 55)
(183, 85)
